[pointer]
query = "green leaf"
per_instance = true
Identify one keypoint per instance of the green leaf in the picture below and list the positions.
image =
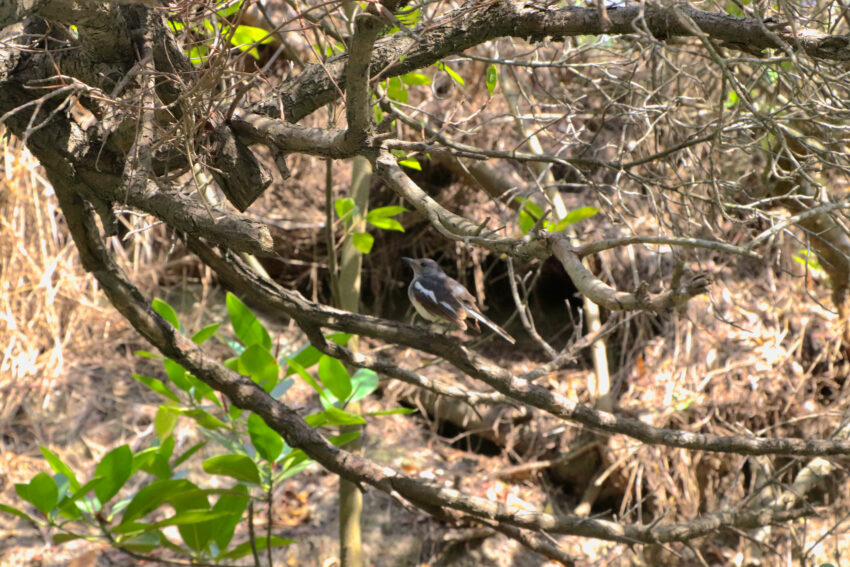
(188, 453)
(363, 383)
(411, 163)
(240, 467)
(68, 506)
(282, 387)
(336, 416)
(15, 512)
(492, 78)
(167, 312)
(732, 99)
(305, 358)
(201, 336)
(247, 327)
(415, 79)
(396, 90)
(452, 73)
(363, 242)
(344, 206)
(246, 38)
(382, 212)
(43, 493)
(267, 441)
(191, 517)
(573, 217)
(155, 494)
(229, 10)
(59, 539)
(386, 224)
(402, 411)
(177, 374)
(165, 421)
(526, 222)
(261, 366)
(335, 377)
(202, 418)
(157, 386)
(307, 377)
(146, 354)
(143, 543)
(409, 17)
(344, 439)
(60, 467)
(115, 468)
(244, 548)
(234, 502)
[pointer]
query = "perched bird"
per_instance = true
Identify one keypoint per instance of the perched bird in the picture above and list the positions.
(439, 298)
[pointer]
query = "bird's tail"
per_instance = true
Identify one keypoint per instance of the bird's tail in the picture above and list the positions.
(493, 326)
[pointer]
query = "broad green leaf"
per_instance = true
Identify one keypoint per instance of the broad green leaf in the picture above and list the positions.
(154, 495)
(344, 439)
(246, 325)
(382, 212)
(146, 354)
(492, 78)
(244, 548)
(261, 366)
(363, 242)
(240, 467)
(59, 539)
(202, 418)
(267, 441)
(43, 493)
(165, 421)
(247, 37)
(386, 223)
(344, 206)
(307, 377)
(177, 374)
(143, 543)
(304, 358)
(115, 468)
(531, 207)
(157, 386)
(167, 312)
(234, 501)
(335, 377)
(526, 222)
(411, 163)
(415, 79)
(201, 336)
(396, 90)
(573, 217)
(58, 466)
(336, 416)
(363, 383)
(191, 517)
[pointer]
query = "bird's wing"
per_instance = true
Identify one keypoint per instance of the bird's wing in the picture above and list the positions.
(444, 308)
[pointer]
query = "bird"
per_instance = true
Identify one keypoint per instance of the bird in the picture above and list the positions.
(442, 299)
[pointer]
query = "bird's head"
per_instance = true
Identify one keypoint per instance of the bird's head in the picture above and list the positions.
(424, 266)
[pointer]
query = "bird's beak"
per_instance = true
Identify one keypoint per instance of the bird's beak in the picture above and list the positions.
(410, 261)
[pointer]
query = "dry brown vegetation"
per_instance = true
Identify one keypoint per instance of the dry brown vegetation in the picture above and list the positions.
(762, 354)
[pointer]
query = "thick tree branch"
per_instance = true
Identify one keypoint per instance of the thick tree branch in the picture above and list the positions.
(468, 26)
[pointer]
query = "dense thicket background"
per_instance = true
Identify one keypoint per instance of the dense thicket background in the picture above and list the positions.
(715, 130)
